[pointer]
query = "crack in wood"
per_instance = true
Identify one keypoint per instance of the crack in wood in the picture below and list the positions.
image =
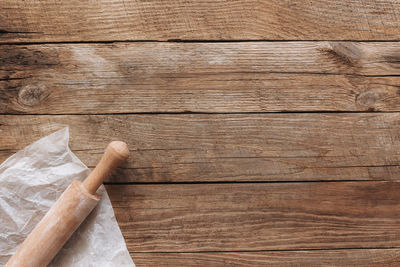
(2, 31)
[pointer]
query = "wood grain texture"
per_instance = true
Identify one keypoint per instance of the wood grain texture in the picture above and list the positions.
(242, 217)
(332, 258)
(199, 77)
(222, 217)
(105, 20)
(227, 147)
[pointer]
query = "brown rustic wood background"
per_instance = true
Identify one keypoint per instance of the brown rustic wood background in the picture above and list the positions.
(262, 133)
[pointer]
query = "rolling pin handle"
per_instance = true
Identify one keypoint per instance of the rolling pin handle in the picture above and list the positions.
(115, 153)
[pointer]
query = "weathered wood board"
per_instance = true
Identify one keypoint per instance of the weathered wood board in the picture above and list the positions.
(312, 258)
(261, 132)
(199, 77)
(105, 20)
(228, 147)
(264, 216)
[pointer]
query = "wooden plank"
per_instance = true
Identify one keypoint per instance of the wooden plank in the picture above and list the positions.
(227, 147)
(59, 21)
(199, 77)
(262, 216)
(322, 258)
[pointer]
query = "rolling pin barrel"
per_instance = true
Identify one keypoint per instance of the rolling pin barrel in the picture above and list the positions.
(69, 211)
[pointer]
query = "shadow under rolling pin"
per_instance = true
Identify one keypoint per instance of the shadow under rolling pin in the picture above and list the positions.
(69, 211)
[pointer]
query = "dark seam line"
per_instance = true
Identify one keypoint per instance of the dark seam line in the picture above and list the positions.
(205, 113)
(193, 41)
(246, 182)
(271, 250)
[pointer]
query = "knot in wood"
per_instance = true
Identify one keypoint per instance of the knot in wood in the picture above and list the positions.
(32, 95)
(367, 98)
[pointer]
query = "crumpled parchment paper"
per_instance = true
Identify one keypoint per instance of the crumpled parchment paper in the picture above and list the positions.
(31, 180)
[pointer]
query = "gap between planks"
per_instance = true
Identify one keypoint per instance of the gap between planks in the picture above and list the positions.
(195, 41)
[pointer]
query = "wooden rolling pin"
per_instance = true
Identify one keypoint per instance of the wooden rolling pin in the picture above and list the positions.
(69, 211)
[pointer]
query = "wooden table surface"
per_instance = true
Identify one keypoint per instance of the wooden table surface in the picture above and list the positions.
(262, 133)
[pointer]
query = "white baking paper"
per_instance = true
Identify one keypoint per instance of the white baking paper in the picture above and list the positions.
(30, 182)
